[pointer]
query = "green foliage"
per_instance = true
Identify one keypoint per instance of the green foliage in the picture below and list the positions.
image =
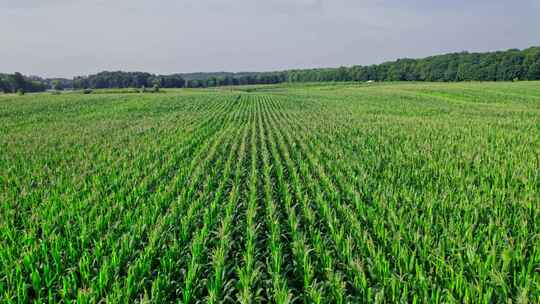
(319, 193)
(492, 66)
(119, 80)
(13, 83)
(57, 85)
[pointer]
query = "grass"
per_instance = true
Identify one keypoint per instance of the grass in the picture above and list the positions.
(317, 193)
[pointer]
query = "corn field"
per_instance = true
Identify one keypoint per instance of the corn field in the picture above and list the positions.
(383, 193)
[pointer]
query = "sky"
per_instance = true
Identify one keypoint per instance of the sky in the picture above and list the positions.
(65, 38)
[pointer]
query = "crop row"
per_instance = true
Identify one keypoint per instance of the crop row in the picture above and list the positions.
(398, 194)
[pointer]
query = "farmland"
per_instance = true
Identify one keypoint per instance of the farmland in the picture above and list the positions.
(319, 193)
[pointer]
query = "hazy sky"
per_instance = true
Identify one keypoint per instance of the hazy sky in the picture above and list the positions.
(77, 37)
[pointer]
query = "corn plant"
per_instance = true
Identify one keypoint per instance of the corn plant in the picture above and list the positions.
(294, 193)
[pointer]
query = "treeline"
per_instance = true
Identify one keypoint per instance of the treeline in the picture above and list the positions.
(495, 66)
(138, 79)
(105, 80)
(18, 83)
(508, 65)
(239, 79)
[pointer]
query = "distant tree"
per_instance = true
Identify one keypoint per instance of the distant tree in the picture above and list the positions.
(464, 72)
(170, 81)
(155, 81)
(195, 83)
(510, 66)
(120, 79)
(17, 82)
(531, 64)
(212, 81)
(463, 66)
(57, 85)
(80, 83)
(36, 86)
(534, 71)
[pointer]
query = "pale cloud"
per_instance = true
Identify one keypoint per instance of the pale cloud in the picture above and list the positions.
(66, 38)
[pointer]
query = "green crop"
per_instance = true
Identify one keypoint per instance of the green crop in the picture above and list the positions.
(327, 193)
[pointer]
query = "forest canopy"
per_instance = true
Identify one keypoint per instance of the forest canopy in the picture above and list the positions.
(507, 65)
